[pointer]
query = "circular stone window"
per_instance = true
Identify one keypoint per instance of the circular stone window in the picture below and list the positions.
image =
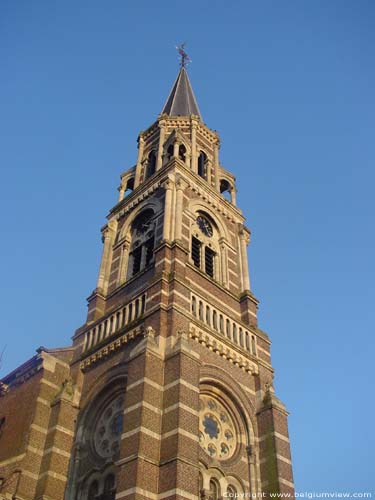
(108, 428)
(216, 429)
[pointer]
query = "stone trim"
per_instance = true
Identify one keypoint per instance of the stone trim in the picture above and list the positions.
(145, 405)
(155, 496)
(13, 459)
(221, 349)
(147, 381)
(287, 483)
(55, 475)
(276, 434)
(111, 347)
(181, 406)
(140, 429)
(61, 429)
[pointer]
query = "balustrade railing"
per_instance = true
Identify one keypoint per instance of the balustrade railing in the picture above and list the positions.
(115, 322)
(221, 323)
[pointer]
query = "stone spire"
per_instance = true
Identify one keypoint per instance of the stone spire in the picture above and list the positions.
(181, 100)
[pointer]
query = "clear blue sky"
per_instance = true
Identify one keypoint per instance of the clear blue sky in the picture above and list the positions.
(289, 85)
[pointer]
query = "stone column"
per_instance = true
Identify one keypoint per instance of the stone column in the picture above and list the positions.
(168, 186)
(107, 241)
(121, 191)
(124, 260)
(233, 196)
(141, 146)
(159, 162)
(244, 240)
(216, 182)
(180, 187)
(252, 470)
(194, 165)
(224, 273)
(176, 145)
(105, 265)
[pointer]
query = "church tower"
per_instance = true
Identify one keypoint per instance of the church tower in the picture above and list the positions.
(170, 389)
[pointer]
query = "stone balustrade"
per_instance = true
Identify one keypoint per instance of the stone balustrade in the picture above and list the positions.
(222, 324)
(114, 322)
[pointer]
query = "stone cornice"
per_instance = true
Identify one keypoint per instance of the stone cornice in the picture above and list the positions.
(224, 348)
(111, 347)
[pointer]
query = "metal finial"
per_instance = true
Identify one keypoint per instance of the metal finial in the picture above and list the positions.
(184, 58)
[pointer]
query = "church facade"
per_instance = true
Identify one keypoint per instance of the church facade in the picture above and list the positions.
(167, 389)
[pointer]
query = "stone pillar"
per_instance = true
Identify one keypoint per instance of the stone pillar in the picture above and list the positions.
(138, 465)
(124, 262)
(108, 234)
(168, 186)
(233, 196)
(179, 449)
(57, 453)
(275, 459)
(180, 187)
(216, 182)
(159, 162)
(194, 164)
(176, 146)
(224, 267)
(244, 240)
(141, 145)
(121, 191)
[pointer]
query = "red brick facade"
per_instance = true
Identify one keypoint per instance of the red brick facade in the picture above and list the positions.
(166, 392)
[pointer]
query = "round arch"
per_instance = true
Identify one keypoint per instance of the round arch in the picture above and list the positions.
(196, 206)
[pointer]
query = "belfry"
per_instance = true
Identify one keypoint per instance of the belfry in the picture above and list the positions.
(167, 391)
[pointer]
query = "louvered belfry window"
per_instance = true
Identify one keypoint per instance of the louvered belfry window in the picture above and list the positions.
(196, 251)
(209, 256)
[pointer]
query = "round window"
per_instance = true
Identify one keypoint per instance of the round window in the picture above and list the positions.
(108, 427)
(216, 429)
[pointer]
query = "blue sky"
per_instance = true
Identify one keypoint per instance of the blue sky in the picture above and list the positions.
(289, 85)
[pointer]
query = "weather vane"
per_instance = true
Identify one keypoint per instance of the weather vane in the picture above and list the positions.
(184, 58)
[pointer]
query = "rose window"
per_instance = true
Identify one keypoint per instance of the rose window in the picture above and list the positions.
(216, 429)
(108, 429)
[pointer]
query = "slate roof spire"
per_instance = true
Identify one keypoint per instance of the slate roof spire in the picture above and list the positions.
(181, 100)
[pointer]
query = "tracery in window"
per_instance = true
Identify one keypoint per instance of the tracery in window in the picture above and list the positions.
(217, 434)
(142, 242)
(93, 490)
(202, 253)
(109, 492)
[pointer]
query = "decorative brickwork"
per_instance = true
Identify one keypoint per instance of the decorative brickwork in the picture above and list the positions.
(166, 392)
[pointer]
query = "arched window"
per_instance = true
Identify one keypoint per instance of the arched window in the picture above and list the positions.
(182, 152)
(202, 158)
(231, 491)
(129, 187)
(142, 242)
(170, 152)
(93, 490)
(203, 240)
(151, 164)
(109, 492)
(226, 189)
(214, 489)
